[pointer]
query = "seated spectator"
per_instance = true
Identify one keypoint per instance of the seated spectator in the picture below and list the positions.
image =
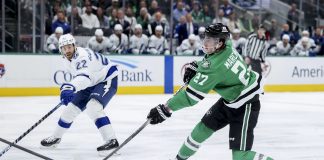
(113, 18)
(52, 45)
(138, 43)
(207, 15)
(189, 47)
(233, 23)
(245, 24)
(227, 8)
(319, 41)
(115, 6)
(179, 11)
(89, 20)
(158, 44)
(61, 22)
(130, 18)
(196, 12)
(88, 3)
(303, 48)
(119, 40)
(103, 20)
(99, 43)
(292, 38)
(121, 20)
(157, 22)
(178, 27)
(77, 21)
(144, 20)
(154, 7)
(238, 41)
(282, 47)
(187, 28)
(220, 18)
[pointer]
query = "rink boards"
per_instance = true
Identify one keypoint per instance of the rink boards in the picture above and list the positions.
(43, 74)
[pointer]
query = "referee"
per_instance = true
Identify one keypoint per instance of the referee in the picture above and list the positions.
(255, 50)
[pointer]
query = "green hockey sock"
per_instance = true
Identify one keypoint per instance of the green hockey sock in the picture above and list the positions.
(248, 155)
(199, 134)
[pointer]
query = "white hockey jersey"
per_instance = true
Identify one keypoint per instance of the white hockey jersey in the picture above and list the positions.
(102, 47)
(138, 45)
(158, 45)
(89, 68)
(187, 49)
(238, 44)
(52, 43)
(119, 45)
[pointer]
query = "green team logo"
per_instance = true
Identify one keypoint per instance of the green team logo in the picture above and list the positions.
(205, 64)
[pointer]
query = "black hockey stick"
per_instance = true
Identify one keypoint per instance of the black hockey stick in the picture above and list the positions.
(25, 149)
(30, 129)
(129, 138)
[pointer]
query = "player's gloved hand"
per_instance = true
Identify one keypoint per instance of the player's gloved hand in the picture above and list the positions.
(190, 71)
(67, 93)
(158, 114)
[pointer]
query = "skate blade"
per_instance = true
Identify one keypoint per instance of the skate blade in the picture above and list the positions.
(106, 153)
(48, 147)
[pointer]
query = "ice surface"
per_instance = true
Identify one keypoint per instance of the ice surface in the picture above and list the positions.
(290, 127)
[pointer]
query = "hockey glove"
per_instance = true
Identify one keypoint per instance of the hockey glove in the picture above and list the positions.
(158, 114)
(190, 71)
(67, 93)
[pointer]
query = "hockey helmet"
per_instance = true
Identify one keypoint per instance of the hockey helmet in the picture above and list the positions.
(66, 39)
(215, 37)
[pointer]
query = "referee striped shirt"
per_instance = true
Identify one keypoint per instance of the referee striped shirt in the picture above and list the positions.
(255, 48)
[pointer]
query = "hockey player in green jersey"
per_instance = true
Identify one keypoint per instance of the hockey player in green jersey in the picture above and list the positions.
(224, 71)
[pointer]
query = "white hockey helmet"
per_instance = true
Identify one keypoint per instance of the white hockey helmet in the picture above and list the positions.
(59, 30)
(159, 28)
(192, 37)
(201, 29)
(138, 26)
(99, 32)
(66, 39)
(118, 27)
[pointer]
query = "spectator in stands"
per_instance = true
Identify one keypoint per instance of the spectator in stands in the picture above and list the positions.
(88, 3)
(303, 48)
(119, 40)
(121, 20)
(179, 27)
(179, 11)
(282, 47)
(319, 40)
(77, 21)
(189, 47)
(292, 38)
(233, 23)
(157, 22)
(158, 44)
(61, 22)
(138, 43)
(293, 15)
(207, 14)
(52, 45)
(186, 29)
(227, 8)
(115, 5)
(274, 32)
(113, 18)
(130, 18)
(144, 20)
(220, 18)
(99, 43)
(89, 20)
(245, 24)
(103, 20)
(154, 7)
(104, 4)
(238, 41)
(196, 13)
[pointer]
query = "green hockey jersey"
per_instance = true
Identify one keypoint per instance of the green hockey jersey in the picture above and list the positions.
(224, 72)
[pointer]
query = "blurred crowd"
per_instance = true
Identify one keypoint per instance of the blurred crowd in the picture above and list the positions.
(143, 27)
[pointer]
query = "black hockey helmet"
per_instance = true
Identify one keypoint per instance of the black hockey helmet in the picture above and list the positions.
(215, 37)
(218, 30)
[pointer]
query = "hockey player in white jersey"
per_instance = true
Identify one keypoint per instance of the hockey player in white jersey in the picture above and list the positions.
(119, 40)
(93, 86)
(99, 43)
(52, 45)
(238, 41)
(139, 41)
(157, 43)
(201, 35)
(189, 47)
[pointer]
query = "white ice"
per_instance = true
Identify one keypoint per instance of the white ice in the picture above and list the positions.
(290, 127)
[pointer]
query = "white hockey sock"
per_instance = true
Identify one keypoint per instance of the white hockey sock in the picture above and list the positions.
(107, 132)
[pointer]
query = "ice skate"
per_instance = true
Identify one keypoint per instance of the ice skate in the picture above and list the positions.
(50, 142)
(105, 149)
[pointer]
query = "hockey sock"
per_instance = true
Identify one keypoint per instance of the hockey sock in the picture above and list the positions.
(96, 113)
(199, 134)
(69, 114)
(248, 155)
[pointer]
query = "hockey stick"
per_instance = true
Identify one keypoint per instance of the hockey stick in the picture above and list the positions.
(129, 138)
(25, 149)
(30, 129)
